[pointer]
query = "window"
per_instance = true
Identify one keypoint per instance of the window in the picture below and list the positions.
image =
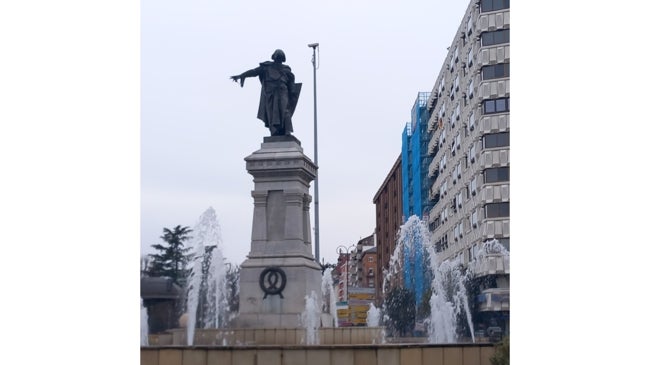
(491, 106)
(495, 71)
(492, 5)
(496, 174)
(471, 122)
(435, 224)
(470, 89)
(505, 242)
(472, 185)
(473, 252)
(495, 37)
(370, 259)
(470, 57)
(497, 210)
(443, 189)
(457, 112)
(459, 200)
(472, 153)
(453, 119)
(456, 82)
(474, 219)
(469, 26)
(496, 140)
(453, 60)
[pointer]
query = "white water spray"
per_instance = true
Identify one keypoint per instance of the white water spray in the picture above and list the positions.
(327, 290)
(311, 318)
(208, 267)
(448, 300)
(448, 293)
(373, 316)
(144, 325)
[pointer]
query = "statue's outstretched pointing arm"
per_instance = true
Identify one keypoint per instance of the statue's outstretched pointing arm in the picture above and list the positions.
(243, 76)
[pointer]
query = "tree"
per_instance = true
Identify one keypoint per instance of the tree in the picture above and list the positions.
(501, 353)
(172, 259)
(400, 308)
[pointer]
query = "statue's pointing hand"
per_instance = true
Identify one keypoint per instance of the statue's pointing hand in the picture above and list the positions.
(238, 77)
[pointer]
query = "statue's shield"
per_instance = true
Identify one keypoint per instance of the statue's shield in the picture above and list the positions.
(293, 97)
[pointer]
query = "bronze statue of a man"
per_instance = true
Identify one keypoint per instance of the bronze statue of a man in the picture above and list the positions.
(279, 94)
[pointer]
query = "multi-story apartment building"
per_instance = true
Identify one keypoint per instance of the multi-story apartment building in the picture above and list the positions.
(415, 192)
(358, 275)
(388, 208)
(341, 276)
(469, 150)
(369, 268)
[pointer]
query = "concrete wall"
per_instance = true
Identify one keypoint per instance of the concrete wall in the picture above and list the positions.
(470, 354)
(269, 336)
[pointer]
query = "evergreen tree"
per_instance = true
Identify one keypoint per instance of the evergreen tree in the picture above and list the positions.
(173, 257)
(400, 308)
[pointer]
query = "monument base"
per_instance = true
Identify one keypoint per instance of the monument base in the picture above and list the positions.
(280, 271)
(258, 309)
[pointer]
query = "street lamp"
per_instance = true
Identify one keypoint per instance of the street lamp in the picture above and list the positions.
(316, 232)
(340, 250)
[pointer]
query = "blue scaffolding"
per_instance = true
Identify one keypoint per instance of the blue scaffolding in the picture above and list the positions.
(415, 190)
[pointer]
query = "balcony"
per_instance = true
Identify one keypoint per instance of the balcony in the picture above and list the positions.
(495, 299)
(491, 264)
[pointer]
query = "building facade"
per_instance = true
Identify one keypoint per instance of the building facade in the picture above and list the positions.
(368, 269)
(388, 209)
(469, 150)
(358, 274)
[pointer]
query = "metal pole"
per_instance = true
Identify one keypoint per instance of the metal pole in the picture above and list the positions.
(316, 231)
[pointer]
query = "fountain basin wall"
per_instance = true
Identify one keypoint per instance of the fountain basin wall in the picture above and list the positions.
(392, 354)
(269, 336)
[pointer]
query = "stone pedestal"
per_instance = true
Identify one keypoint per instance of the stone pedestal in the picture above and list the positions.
(280, 269)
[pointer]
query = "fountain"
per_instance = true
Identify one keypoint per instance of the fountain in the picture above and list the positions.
(448, 299)
(448, 294)
(144, 325)
(329, 296)
(311, 318)
(235, 345)
(208, 276)
(374, 315)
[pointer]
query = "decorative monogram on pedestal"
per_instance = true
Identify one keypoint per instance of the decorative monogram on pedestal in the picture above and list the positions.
(273, 281)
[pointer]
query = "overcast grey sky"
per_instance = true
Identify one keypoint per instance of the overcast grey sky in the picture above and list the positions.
(197, 125)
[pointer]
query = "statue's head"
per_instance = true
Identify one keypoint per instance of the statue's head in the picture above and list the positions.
(278, 56)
